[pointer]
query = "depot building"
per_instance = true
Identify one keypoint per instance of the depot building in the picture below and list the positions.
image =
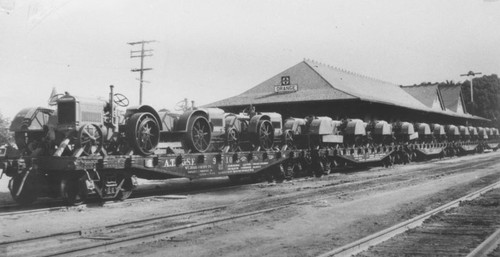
(313, 88)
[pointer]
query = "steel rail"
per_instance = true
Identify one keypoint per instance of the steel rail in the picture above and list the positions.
(138, 199)
(32, 211)
(58, 204)
(150, 236)
(381, 236)
(91, 248)
(78, 232)
(487, 246)
(155, 235)
(457, 168)
(136, 222)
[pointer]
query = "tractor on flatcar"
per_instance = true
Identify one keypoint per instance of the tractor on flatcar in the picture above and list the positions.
(96, 146)
(382, 133)
(211, 130)
(312, 132)
(424, 133)
(87, 127)
(355, 133)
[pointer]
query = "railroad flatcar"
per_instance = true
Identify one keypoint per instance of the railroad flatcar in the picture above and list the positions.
(86, 147)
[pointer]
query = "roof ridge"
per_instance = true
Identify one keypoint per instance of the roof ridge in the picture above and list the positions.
(347, 71)
(420, 85)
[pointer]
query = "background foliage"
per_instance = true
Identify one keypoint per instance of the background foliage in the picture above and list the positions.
(4, 130)
(486, 90)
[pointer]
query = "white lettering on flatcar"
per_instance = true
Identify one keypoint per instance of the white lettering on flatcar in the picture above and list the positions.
(185, 162)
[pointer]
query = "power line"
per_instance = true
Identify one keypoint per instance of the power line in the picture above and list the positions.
(141, 54)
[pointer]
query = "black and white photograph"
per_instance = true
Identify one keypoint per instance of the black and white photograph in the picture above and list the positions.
(277, 128)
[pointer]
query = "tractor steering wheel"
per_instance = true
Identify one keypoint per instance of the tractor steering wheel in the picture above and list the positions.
(54, 98)
(180, 106)
(120, 100)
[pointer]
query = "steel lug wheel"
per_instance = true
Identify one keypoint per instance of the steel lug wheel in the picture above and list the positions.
(265, 134)
(199, 134)
(143, 133)
(90, 139)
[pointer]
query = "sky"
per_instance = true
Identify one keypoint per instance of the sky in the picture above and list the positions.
(210, 50)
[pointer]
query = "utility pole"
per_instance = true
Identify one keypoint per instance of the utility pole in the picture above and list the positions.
(471, 73)
(141, 53)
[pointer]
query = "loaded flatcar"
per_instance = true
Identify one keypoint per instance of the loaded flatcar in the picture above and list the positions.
(94, 148)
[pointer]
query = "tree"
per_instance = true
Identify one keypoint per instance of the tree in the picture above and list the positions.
(486, 91)
(4, 130)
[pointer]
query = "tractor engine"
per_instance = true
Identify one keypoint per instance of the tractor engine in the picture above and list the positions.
(355, 133)
(87, 127)
(452, 133)
(382, 133)
(424, 133)
(438, 133)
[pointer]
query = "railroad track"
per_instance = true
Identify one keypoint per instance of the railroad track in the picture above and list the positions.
(53, 205)
(94, 240)
(457, 228)
(378, 182)
(101, 239)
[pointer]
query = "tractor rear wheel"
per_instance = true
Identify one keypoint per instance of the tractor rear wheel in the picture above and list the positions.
(265, 134)
(198, 137)
(29, 141)
(143, 133)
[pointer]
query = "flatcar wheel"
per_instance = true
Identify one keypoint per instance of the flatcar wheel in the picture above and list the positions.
(232, 139)
(266, 134)
(73, 190)
(23, 188)
(143, 132)
(90, 139)
(198, 134)
(125, 190)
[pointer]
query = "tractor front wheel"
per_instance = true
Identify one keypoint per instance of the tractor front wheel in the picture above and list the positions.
(90, 139)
